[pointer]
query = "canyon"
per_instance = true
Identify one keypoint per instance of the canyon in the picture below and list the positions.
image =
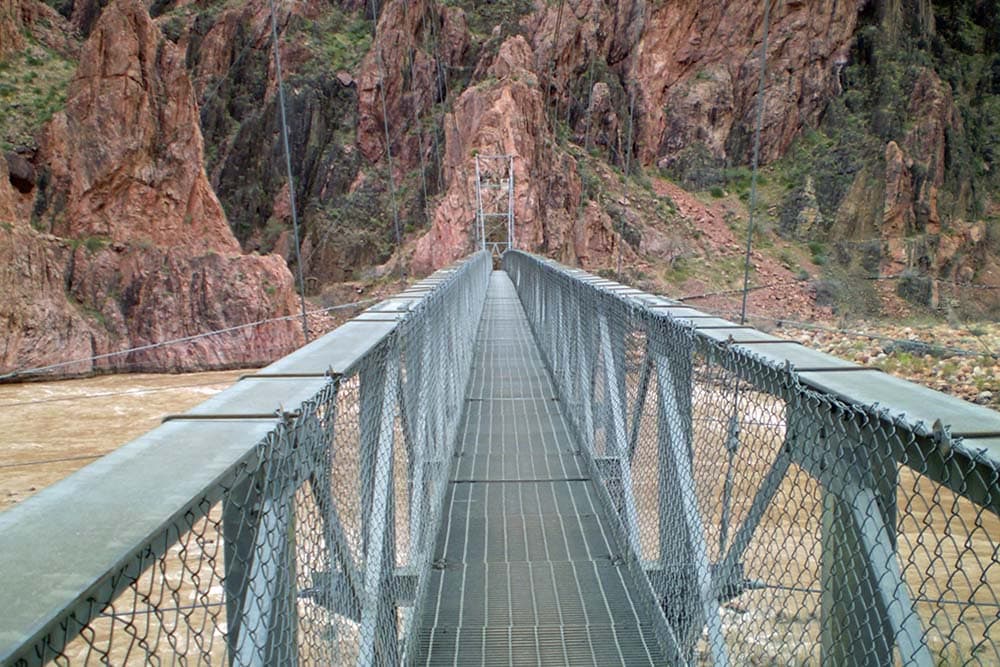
(148, 201)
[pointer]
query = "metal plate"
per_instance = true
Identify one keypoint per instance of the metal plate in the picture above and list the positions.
(738, 335)
(338, 351)
(901, 397)
(799, 356)
(260, 396)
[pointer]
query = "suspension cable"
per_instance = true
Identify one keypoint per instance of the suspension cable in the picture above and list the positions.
(590, 103)
(756, 159)
(440, 93)
(175, 341)
(627, 165)
(420, 133)
(388, 141)
(733, 429)
(288, 166)
(388, 156)
(552, 68)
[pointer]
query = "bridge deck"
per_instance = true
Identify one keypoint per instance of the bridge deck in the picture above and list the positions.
(528, 572)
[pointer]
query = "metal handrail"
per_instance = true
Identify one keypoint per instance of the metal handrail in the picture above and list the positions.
(73, 547)
(848, 428)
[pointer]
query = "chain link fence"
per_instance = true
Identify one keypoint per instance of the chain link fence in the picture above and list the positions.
(786, 506)
(238, 534)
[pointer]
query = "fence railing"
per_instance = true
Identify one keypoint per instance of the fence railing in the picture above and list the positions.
(786, 506)
(289, 519)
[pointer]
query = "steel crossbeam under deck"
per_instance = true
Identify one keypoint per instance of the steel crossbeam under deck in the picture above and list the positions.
(527, 568)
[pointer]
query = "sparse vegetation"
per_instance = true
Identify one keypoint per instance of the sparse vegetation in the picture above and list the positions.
(33, 86)
(338, 39)
(695, 168)
(819, 252)
(483, 17)
(354, 231)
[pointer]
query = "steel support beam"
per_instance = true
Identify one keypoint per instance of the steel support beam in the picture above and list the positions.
(379, 639)
(692, 602)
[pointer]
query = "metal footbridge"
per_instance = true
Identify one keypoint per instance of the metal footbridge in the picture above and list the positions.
(527, 564)
(526, 466)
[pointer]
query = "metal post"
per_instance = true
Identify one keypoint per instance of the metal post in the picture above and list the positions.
(564, 342)
(689, 600)
(417, 360)
(616, 443)
(379, 638)
(258, 529)
(585, 364)
(372, 378)
(864, 594)
(510, 203)
(240, 511)
(479, 208)
(639, 407)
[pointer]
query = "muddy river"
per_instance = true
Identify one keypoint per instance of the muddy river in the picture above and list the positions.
(48, 430)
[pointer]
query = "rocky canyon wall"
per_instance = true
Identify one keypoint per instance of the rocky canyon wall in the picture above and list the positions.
(128, 245)
(149, 206)
(11, 39)
(672, 77)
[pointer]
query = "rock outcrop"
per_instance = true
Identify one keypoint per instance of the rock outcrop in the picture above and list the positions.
(694, 68)
(394, 60)
(50, 28)
(138, 250)
(11, 39)
(128, 150)
(917, 236)
(507, 117)
(698, 68)
(694, 72)
(8, 196)
(136, 234)
(405, 73)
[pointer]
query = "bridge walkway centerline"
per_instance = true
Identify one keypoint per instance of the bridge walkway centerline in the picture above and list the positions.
(526, 566)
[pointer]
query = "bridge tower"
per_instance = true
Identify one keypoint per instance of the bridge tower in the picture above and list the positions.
(495, 203)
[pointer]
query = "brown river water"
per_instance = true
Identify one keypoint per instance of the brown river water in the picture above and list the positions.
(48, 430)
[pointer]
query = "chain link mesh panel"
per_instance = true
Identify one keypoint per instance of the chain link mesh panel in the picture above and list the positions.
(776, 523)
(313, 547)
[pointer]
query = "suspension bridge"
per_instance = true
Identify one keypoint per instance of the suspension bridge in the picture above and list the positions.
(526, 465)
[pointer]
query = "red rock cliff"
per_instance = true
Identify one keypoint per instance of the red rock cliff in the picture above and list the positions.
(10, 27)
(692, 68)
(138, 249)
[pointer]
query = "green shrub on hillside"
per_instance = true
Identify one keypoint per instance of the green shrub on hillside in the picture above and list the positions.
(33, 85)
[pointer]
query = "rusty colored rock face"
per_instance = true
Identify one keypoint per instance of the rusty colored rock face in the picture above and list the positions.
(140, 247)
(128, 148)
(8, 196)
(693, 67)
(508, 117)
(140, 250)
(21, 173)
(11, 39)
(692, 74)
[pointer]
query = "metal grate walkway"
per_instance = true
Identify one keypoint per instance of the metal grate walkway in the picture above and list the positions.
(526, 571)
